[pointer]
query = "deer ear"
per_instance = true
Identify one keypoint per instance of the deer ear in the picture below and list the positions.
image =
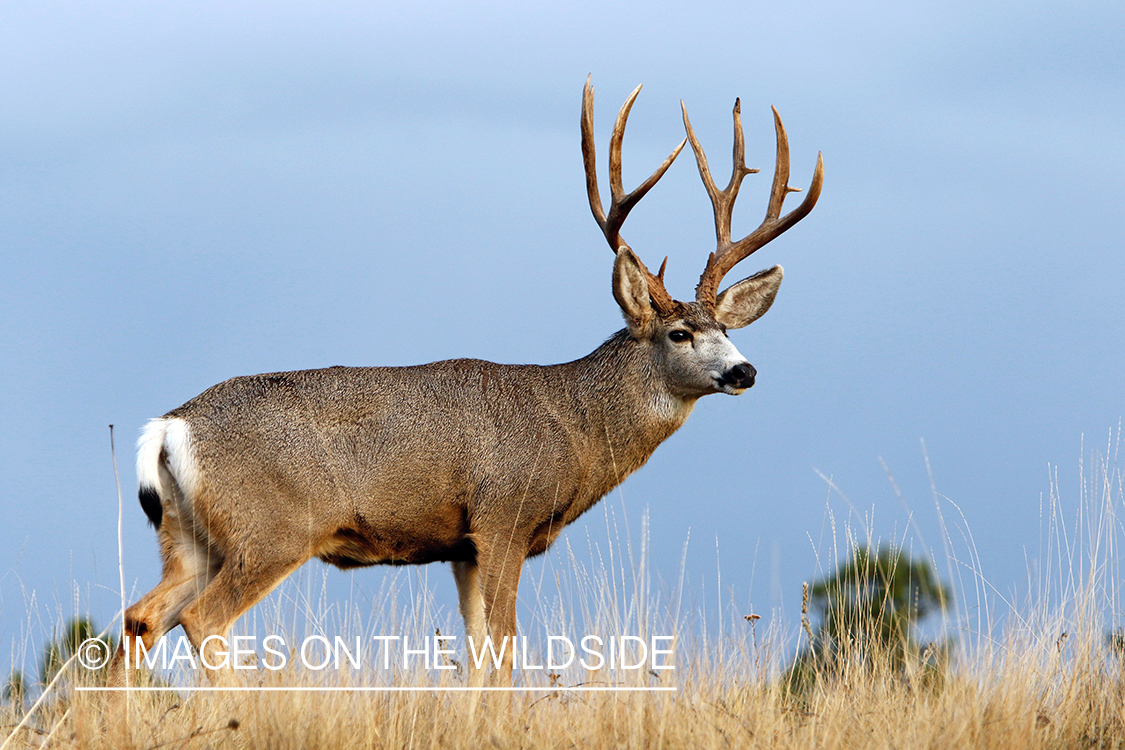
(630, 289)
(743, 303)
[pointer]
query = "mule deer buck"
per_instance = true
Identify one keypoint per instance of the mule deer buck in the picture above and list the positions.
(474, 463)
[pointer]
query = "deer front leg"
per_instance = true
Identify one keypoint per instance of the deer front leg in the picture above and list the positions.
(467, 575)
(500, 563)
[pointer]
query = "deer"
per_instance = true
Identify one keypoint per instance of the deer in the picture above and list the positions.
(464, 461)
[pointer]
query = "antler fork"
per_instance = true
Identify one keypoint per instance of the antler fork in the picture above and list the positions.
(620, 203)
(728, 254)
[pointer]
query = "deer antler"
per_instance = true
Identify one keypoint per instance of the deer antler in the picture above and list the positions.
(620, 203)
(728, 254)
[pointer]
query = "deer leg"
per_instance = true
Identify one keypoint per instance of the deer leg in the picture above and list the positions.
(467, 575)
(239, 585)
(188, 567)
(500, 567)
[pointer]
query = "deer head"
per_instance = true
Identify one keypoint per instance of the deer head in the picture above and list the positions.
(690, 337)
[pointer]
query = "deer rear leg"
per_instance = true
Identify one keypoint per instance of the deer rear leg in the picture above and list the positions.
(188, 568)
(238, 586)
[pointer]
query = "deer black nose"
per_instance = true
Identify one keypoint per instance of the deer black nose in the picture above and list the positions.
(741, 375)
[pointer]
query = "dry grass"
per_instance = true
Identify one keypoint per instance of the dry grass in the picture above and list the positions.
(1045, 678)
(1023, 704)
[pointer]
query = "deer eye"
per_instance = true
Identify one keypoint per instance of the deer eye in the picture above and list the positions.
(680, 336)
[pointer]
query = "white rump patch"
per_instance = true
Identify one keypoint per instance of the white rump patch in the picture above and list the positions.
(173, 437)
(149, 446)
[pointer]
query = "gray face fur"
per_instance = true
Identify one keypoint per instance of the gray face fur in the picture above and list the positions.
(690, 347)
(697, 357)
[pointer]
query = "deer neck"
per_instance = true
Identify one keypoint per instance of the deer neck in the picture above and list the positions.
(626, 410)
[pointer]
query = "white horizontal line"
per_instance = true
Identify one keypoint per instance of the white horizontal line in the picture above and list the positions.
(451, 689)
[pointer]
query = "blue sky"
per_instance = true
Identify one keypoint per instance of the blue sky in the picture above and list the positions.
(193, 192)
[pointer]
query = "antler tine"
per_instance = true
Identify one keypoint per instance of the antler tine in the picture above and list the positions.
(728, 254)
(588, 158)
(780, 188)
(620, 202)
(721, 200)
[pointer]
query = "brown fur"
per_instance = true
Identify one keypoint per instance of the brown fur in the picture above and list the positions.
(461, 461)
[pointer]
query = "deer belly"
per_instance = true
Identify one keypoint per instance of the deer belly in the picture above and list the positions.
(440, 535)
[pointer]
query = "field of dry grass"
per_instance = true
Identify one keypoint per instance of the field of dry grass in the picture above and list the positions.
(1034, 696)
(1041, 674)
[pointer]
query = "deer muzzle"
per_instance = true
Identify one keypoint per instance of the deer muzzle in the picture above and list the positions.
(740, 376)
